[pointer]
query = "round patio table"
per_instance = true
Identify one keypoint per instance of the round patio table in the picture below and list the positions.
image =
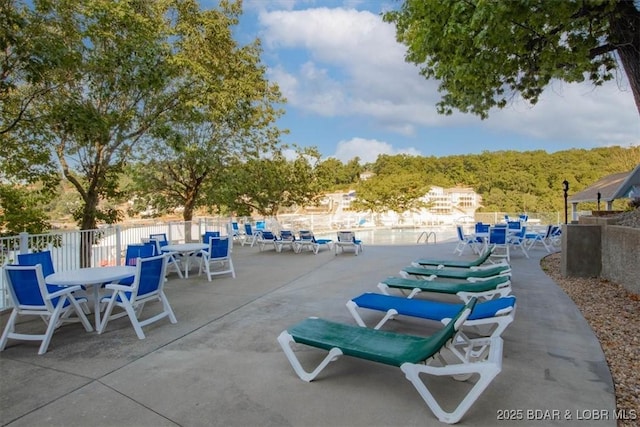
(91, 276)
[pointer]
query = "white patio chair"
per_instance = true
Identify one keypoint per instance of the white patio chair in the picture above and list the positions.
(31, 296)
(217, 254)
(347, 239)
(147, 286)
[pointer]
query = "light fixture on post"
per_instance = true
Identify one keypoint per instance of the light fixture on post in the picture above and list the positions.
(565, 188)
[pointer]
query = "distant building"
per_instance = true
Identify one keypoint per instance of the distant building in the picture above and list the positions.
(452, 201)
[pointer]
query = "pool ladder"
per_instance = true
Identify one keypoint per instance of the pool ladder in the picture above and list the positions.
(427, 235)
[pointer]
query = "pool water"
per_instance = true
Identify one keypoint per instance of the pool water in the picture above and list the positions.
(399, 236)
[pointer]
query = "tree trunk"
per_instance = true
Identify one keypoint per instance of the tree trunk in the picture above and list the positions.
(625, 35)
(187, 216)
(88, 222)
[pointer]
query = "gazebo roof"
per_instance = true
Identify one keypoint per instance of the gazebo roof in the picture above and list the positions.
(611, 187)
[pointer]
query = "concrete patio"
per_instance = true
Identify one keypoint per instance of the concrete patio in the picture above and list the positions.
(221, 364)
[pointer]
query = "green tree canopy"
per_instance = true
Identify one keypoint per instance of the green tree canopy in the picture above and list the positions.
(483, 52)
(268, 184)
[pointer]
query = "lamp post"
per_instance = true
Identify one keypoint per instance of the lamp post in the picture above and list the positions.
(565, 188)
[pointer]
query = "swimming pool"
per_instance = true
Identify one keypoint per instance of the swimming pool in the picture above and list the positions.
(399, 236)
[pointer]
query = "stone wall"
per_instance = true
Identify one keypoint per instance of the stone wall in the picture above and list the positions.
(598, 246)
(621, 256)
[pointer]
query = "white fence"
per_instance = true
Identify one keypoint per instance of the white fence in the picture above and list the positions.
(108, 244)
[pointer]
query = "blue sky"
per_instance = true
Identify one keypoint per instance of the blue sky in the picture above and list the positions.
(350, 92)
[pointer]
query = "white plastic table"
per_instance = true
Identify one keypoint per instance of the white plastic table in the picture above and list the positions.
(91, 276)
(186, 249)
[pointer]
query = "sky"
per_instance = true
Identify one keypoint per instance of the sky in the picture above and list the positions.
(350, 93)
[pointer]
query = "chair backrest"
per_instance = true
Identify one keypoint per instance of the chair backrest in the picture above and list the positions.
(306, 235)
(27, 287)
(482, 228)
(498, 235)
(248, 230)
(150, 275)
(219, 247)
(524, 217)
(260, 225)
(460, 233)
(208, 235)
(514, 225)
(523, 232)
(549, 231)
(143, 250)
(267, 235)
(346, 236)
(161, 237)
(234, 226)
(43, 258)
(287, 235)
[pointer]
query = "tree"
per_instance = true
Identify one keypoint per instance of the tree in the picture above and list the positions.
(230, 115)
(483, 52)
(131, 69)
(396, 192)
(21, 211)
(266, 185)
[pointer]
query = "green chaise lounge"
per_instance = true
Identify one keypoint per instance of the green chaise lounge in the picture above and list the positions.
(455, 263)
(482, 289)
(414, 355)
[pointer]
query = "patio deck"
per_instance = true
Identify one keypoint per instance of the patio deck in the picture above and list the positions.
(221, 363)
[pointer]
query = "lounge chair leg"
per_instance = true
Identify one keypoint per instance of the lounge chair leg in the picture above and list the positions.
(487, 370)
(285, 340)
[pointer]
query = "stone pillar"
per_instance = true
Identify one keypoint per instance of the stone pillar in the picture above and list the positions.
(581, 250)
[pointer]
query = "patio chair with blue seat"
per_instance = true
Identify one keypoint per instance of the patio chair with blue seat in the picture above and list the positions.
(464, 241)
(234, 231)
(219, 254)
(250, 236)
(34, 258)
(518, 240)
(414, 355)
(488, 318)
(44, 258)
(267, 238)
(481, 236)
(555, 238)
(347, 239)
(499, 286)
(135, 251)
(514, 226)
(287, 239)
(498, 238)
(544, 238)
(31, 296)
(454, 263)
(147, 286)
(174, 259)
(475, 274)
(308, 241)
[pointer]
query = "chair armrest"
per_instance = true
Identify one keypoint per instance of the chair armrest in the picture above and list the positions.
(66, 290)
(118, 287)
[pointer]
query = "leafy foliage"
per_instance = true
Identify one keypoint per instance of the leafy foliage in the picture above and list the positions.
(485, 52)
(266, 185)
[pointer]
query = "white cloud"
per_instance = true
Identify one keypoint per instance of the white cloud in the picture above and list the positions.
(354, 67)
(348, 64)
(368, 150)
(575, 112)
